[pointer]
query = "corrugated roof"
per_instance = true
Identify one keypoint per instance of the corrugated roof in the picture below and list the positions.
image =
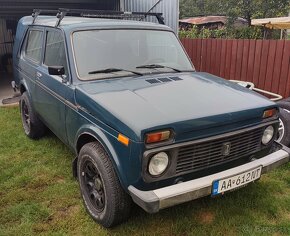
(17, 8)
(208, 19)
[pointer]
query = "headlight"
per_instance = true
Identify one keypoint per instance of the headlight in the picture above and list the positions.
(158, 164)
(268, 135)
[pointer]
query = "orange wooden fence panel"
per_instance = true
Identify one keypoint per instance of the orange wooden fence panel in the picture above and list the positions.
(266, 63)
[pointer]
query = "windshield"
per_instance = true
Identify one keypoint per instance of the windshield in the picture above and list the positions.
(107, 53)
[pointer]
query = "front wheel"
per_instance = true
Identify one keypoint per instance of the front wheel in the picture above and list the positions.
(103, 196)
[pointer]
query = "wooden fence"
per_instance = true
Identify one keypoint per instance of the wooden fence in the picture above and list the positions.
(266, 63)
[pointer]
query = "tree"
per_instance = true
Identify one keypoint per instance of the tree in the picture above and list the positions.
(247, 9)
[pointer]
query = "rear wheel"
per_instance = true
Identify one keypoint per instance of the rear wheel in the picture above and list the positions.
(102, 193)
(32, 126)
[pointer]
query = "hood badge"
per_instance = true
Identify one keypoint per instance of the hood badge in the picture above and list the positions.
(226, 149)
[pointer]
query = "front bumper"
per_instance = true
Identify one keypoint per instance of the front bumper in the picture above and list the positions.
(155, 200)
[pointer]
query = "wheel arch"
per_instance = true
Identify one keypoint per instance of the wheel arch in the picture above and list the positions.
(89, 134)
(23, 87)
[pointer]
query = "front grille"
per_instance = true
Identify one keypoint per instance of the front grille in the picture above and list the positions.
(211, 153)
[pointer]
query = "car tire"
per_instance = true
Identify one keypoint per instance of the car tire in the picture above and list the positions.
(103, 196)
(284, 127)
(32, 125)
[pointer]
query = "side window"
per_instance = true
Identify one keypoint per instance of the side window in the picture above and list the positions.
(55, 51)
(34, 45)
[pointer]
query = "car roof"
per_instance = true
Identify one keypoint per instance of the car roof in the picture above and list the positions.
(74, 23)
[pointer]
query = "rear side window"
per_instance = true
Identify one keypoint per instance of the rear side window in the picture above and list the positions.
(55, 50)
(34, 45)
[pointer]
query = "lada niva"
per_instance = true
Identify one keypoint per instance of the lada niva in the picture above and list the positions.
(144, 125)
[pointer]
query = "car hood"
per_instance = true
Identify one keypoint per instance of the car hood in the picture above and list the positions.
(184, 102)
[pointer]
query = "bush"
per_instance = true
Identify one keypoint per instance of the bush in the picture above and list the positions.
(223, 33)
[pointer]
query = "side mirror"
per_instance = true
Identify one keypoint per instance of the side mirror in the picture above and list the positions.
(56, 70)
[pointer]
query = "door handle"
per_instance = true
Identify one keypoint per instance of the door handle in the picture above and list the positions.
(38, 75)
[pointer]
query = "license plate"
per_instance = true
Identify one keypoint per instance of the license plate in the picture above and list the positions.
(236, 181)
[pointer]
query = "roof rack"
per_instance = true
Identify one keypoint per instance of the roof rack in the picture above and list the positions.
(62, 12)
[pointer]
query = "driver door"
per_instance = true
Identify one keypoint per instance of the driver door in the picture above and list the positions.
(50, 90)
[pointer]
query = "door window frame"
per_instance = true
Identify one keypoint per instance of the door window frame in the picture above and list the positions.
(25, 42)
(51, 29)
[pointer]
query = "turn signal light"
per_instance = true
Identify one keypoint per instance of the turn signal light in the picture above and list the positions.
(270, 113)
(123, 139)
(157, 136)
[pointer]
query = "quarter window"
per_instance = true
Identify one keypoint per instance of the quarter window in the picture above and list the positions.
(34, 45)
(54, 50)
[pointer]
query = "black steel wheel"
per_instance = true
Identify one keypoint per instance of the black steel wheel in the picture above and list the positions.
(103, 196)
(25, 117)
(32, 125)
(94, 185)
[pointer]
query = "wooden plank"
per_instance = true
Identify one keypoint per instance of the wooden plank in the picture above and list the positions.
(190, 49)
(263, 65)
(233, 60)
(185, 44)
(269, 80)
(287, 93)
(284, 77)
(277, 65)
(251, 60)
(257, 63)
(208, 54)
(223, 56)
(203, 54)
(213, 62)
(198, 54)
(245, 59)
(239, 58)
(217, 64)
(229, 58)
(194, 50)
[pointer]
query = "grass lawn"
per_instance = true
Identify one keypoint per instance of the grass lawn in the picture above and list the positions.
(38, 195)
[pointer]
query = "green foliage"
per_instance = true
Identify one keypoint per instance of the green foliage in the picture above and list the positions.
(223, 33)
(247, 9)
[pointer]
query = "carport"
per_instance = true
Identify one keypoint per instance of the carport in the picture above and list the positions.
(12, 10)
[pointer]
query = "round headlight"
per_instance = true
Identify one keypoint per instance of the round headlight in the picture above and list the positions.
(158, 164)
(268, 135)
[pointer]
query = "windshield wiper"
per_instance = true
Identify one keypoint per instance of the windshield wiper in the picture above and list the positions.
(111, 70)
(153, 66)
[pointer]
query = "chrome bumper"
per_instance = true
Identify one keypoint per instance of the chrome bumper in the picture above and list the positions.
(155, 200)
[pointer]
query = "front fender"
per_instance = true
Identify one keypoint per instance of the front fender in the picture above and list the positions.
(118, 153)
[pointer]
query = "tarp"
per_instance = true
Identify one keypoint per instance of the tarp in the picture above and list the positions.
(273, 23)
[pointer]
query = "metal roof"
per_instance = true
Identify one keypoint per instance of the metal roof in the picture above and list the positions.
(273, 23)
(209, 19)
(15, 9)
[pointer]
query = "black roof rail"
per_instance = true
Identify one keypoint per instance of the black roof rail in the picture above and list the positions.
(62, 12)
(37, 12)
